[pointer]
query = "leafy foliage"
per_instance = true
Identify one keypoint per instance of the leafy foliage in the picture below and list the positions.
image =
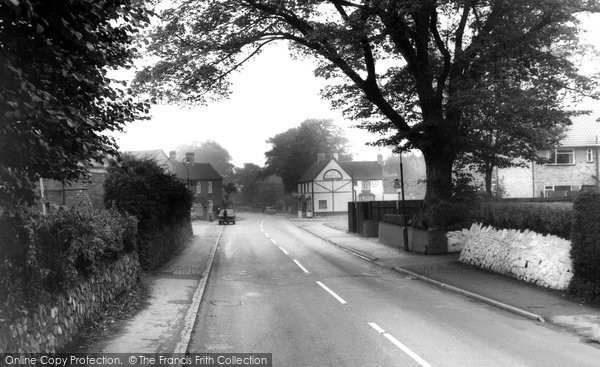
(296, 149)
(546, 218)
(209, 151)
(141, 188)
(585, 248)
(56, 101)
(49, 254)
(407, 69)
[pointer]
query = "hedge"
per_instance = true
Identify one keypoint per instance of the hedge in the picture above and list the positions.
(545, 218)
(162, 205)
(585, 246)
(48, 254)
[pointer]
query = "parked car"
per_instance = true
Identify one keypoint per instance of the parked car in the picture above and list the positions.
(226, 216)
(270, 210)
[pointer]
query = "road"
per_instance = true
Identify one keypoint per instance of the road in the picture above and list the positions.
(274, 288)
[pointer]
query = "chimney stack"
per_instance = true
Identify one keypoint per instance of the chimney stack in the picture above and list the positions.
(336, 156)
(321, 157)
(379, 159)
(172, 155)
(189, 157)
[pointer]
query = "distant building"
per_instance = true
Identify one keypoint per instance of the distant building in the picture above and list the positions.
(200, 178)
(574, 164)
(329, 185)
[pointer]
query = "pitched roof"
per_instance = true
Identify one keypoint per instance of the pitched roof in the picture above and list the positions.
(196, 171)
(155, 154)
(314, 170)
(363, 170)
(356, 169)
(584, 132)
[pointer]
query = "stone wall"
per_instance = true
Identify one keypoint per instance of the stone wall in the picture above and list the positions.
(49, 327)
(540, 259)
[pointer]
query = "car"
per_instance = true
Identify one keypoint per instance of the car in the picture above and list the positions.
(226, 216)
(270, 210)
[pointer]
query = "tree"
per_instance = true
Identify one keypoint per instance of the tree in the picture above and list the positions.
(56, 101)
(296, 149)
(248, 179)
(209, 151)
(407, 67)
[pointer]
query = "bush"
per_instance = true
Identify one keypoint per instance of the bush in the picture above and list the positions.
(162, 205)
(141, 188)
(585, 248)
(545, 218)
(395, 219)
(58, 250)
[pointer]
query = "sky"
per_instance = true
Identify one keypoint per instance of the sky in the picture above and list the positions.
(272, 94)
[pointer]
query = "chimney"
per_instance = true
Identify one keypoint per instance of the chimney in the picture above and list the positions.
(336, 156)
(379, 159)
(321, 157)
(172, 155)
(189, 157)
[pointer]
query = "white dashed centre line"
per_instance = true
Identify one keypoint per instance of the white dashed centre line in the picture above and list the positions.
(272, 240)
(301, 267)
(401, 346)
(340, 299)
(284, 251)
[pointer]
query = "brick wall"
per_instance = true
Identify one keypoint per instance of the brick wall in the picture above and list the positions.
(580, 173)
(530, 181)
(87, 192)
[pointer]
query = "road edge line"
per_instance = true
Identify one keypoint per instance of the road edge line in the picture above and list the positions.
(190, 317)
(451, 288)
(475, 296)
(353, 252)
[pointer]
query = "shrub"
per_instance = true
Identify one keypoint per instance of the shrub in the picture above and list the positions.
(585, 248)
(141, 188)
(56, 251)
(545, 218)
(162, 205)
(395, 219)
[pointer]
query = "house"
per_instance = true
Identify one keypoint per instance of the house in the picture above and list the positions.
(201, 178)
(329, 185)
(573, 164)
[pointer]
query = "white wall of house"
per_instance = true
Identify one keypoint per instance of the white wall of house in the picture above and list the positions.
(332, 189)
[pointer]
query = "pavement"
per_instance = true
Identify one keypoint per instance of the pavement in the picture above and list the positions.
(164, 324)
(527, 300)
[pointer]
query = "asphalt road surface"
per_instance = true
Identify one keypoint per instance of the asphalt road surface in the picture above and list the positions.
(276, 289)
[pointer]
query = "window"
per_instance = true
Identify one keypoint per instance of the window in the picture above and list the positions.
(562, 156)
(199, 187)
(210, 188)
(322, 204)
(589, 157)
(366, 184)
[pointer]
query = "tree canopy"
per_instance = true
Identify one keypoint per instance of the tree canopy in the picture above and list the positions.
(56, 100)
(407, 68)
(294, 151)
(209, 151)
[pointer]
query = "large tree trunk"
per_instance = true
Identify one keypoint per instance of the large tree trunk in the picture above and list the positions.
(489, 171)
(439, 174)
(439, 187)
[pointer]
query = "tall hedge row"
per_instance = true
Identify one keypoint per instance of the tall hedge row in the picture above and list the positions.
(585, 246)
(162, 205)
(546, 218)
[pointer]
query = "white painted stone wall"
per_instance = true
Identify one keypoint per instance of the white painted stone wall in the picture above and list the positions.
(540, 259)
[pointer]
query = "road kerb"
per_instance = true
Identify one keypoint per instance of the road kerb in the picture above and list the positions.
(344, 248)
(475, 296)
(190, 316)
(463, 292)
